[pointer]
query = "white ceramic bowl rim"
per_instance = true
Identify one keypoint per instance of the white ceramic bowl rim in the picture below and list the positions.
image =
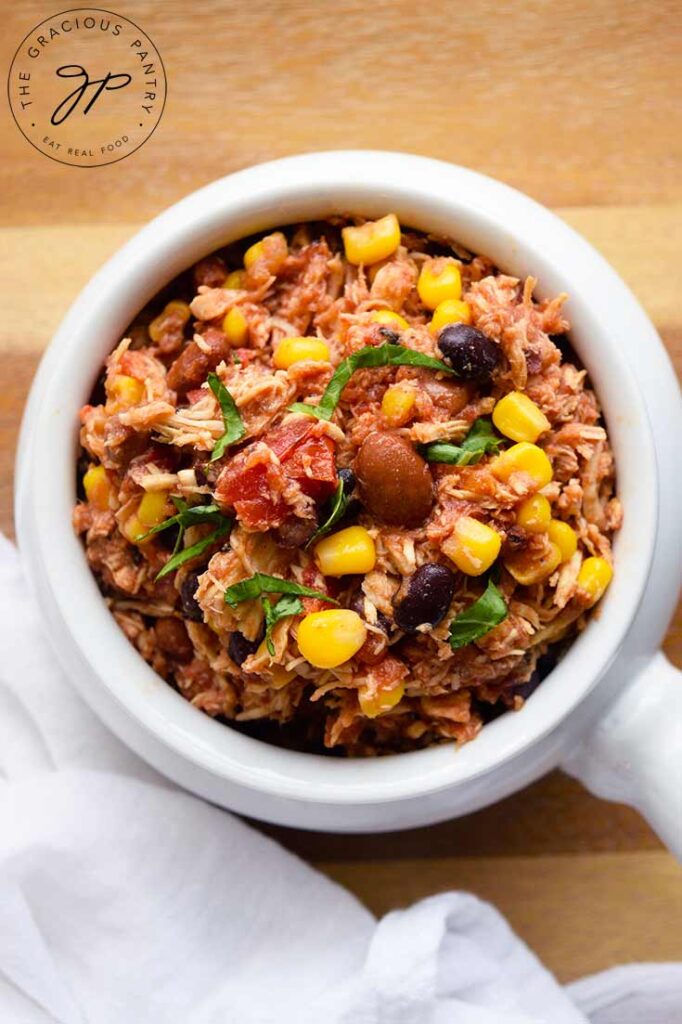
(520, 236)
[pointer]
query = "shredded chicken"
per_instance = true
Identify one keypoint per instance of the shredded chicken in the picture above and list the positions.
(150, 432)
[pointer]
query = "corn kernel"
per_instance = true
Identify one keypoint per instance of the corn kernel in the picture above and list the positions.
(372, 241)
(331, 637)
(255, 251)
(523, 458)
(235, 327)
(518, 417)
(564, 537)
(535, 514)
(397, 404)
(390, 319)
(452, 311)
(472, 546)
(439, 281)
(133, 529)
(374, 702)
(157, 326)
(235, 281)
(152, 509)
(594, 577)
(125, 391)
(180, 308)
(348, 551)
(294, 350)
(528, 571)
(97, 487)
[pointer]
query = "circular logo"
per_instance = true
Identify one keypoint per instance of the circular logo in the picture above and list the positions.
(87, 87)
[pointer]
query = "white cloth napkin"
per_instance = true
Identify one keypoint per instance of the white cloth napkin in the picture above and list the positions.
(123, 900)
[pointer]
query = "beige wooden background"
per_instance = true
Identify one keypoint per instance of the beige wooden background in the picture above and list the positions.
(575, 102)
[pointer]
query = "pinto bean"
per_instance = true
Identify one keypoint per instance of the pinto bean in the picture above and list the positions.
(210, 272)
(172, 639)
(193, 365)
(394, 481)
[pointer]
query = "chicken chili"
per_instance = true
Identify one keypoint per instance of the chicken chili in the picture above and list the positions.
(348, 487)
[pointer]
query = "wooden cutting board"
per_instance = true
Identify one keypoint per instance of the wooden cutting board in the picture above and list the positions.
(573, 101)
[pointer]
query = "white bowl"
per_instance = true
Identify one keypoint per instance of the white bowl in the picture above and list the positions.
(637, 388)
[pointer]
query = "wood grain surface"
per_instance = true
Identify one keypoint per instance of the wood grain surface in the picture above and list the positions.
(573, 101)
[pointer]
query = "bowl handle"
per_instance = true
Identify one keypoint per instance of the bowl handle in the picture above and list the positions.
(634, 753)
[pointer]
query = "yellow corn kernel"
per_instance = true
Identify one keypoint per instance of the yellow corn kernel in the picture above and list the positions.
(452, 311)
(390, 319)
(523, 458)
(255, 251)
(564, 537)
(331, 637)
(294, 350)
(97, 487)
(177, 306)
(180, 308)
(439, 280)
(397, 404)
(235, 327)
(472, 546)
(152, 509)
(133, 529)
(528, 571)
(535, 514)
(348, 551)
(235, 280)
(125, 391)
(372, 241)
(374, 702)
(594, 577)
(518, 417)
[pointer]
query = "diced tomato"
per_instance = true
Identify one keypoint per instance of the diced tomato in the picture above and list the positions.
(312, 465)
(253, 490)
(248, 490)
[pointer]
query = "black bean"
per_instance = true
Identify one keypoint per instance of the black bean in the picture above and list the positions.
(168, 538)
(470, 352)
(294, 533)
(190, 606)
(239, 648)
(545, 664)
(348, 478)
(357, 604)
(568, 353)
(428, 597)
(388, 335)
(530, 686)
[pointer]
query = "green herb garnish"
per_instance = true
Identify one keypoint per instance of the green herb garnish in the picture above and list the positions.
(337, 506)
(260, 583)
(370, 356)
(194, 550)
(234, 425)
(190, 515)
(479, 618)
(289, 604)
(480, 440)
(186, 516)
